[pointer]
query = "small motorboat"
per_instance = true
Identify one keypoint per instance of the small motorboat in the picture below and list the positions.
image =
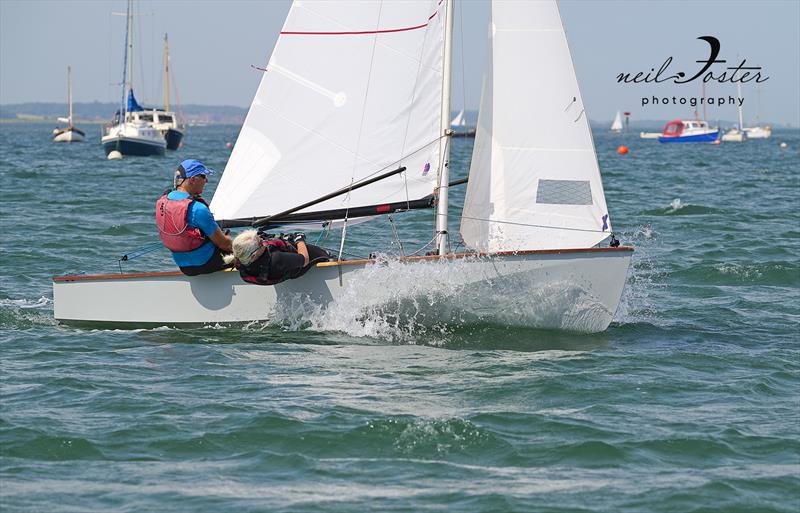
(681, 130)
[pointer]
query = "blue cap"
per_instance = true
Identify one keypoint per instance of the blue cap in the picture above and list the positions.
(191, 167)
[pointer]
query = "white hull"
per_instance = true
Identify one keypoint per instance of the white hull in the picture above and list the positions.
(649, 135)
(133, 139)
(67, 136)
(734, 136)
(563, 289)
(758, 132)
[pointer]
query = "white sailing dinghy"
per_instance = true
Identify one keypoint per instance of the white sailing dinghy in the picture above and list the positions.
(459, 125)
(459, 121)
(357, 96)
(616, 125)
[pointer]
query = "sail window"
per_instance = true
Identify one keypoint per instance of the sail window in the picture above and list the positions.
(564, 192)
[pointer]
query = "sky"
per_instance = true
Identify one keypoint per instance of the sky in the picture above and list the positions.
(213, 44)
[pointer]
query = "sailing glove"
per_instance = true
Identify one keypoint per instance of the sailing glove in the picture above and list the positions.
(298, 237)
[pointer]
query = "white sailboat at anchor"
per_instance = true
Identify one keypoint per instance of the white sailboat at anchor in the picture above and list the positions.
(356, 98)
(69, 133)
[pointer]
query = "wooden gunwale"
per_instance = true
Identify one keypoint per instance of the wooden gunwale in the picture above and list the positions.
(452, 256)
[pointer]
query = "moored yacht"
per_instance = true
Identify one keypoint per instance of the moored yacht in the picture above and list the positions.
(133, 136)
(131, 133)
(166, 121)
(69, 133)
(758, 132)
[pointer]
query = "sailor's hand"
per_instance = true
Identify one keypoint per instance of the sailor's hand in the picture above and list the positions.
(286, 237)
(298, 237)
(264, 235)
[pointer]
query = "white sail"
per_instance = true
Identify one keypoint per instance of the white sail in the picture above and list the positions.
(616, 126)
(352, 88)
(534, 180)
(459, 120)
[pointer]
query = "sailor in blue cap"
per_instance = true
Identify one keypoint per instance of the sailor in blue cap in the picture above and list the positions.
(186, 225)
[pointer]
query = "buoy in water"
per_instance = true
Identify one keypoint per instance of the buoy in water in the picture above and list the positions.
(784, 145)
(227, 145)
(114, 155)
(622, 150)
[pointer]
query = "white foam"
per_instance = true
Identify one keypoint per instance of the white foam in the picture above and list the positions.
(644, 277)
(27, 303)
(426, 301)
(675, 205)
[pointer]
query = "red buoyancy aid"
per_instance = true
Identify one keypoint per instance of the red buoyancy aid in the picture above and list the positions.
(264, 261)
(173, 225)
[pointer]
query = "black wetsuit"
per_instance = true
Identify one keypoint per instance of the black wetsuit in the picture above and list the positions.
(279, 264)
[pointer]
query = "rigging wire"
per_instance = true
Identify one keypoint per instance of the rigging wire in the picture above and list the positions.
(534, 225)
(396, 235)
(360, 129)
(463, 79)
(413, 96)
(423, 247)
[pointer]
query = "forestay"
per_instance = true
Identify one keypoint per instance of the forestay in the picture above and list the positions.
(352, 88)
(534, 181)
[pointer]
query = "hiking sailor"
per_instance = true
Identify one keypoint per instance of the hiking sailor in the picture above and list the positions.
(186, 225)
(264, 259)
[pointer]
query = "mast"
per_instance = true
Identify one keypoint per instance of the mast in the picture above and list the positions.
(122, 108)
(130, 46)
(445, 132)
(704, 101)
(758, 105)
(739, 97)
(69, 93)
(166, 70)
(129, 40)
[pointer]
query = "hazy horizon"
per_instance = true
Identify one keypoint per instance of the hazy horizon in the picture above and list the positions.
(214, 44)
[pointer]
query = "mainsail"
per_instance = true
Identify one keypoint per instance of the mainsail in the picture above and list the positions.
(616, 126)
(459, 120)
(352, 89)
(532, 185)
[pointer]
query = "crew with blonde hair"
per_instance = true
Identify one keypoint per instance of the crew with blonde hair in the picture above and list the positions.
(264, 259)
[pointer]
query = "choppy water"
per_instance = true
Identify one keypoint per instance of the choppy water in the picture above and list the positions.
(688, 402)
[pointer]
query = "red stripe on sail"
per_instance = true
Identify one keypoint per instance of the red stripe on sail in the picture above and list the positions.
(358, 33)
(361, 32)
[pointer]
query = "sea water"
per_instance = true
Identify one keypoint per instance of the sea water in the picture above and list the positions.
(688, 402)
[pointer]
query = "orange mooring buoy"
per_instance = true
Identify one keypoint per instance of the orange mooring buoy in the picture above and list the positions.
(622, 150)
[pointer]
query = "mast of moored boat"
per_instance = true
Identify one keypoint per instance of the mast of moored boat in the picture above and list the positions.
(130, 45)
(442, 237)
(703, 87)
(69, 95)
(123, 103)
(166, 71)
(739, 99)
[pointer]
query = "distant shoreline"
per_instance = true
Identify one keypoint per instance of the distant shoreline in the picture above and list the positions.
(95, 122)
(103, 112)
(99, 113)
